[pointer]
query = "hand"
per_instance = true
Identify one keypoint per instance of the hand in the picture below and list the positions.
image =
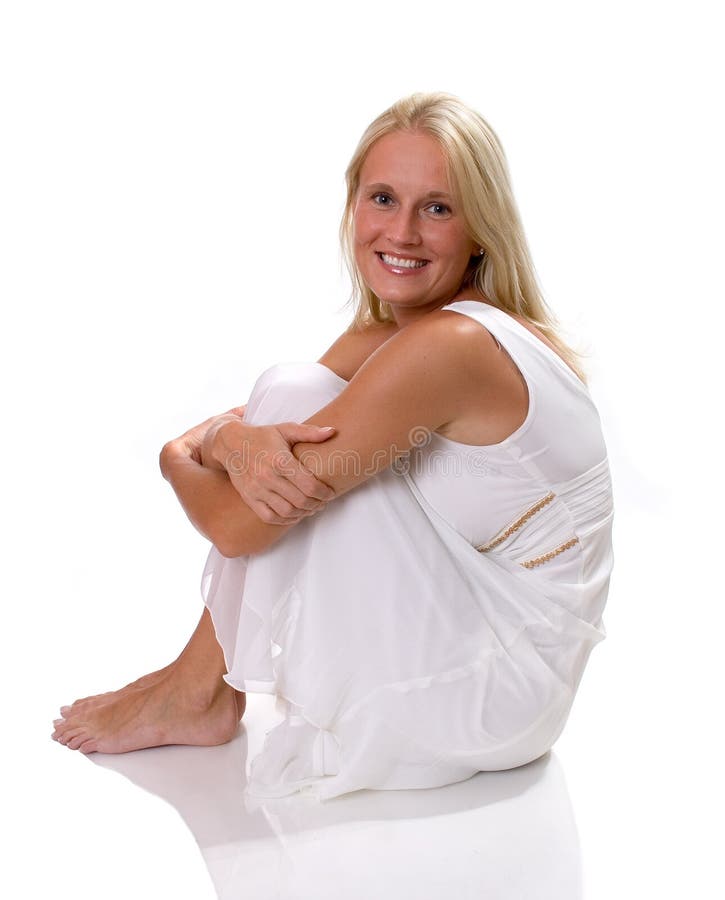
(191, 442)
(263, 469)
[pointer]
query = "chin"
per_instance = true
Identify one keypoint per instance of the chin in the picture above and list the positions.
(408, 297)
(402, 302)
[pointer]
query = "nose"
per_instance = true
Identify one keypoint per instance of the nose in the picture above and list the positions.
(403, 228)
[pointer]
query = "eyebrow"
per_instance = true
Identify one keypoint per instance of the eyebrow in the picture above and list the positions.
(431, 195)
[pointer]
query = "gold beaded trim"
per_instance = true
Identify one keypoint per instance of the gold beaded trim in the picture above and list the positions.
(514, 526)
(530, 563)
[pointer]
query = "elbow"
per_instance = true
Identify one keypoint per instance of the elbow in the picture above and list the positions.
(229, 549)
(232, 544)
(226, 542)
(165, 456)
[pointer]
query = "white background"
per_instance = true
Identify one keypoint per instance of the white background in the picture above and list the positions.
(171, 185)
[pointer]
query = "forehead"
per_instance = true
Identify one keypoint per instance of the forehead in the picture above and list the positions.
(406, 160)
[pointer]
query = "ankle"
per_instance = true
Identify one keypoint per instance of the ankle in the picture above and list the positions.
(199, 690)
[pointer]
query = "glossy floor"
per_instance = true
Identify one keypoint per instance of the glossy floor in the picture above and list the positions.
(625, 805)
(495, 833)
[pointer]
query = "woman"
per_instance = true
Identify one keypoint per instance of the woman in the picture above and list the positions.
(448, 502)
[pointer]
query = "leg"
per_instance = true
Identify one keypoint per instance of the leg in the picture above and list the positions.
(187, 702)
(201, 638)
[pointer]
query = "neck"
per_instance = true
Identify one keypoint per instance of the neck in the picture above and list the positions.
(405, 316)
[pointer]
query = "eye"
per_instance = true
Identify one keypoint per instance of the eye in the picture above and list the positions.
(439, 209)
(381, 199)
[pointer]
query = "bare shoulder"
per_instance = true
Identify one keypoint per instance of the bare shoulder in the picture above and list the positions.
(355, 346)
(444, 338)
(449, 338)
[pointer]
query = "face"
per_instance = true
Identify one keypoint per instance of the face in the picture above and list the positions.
(410, 241)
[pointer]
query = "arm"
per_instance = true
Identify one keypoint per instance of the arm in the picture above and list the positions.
(280, 490)
(426, 375)
(212, 504)
(355, 346)
(203, 488)
(270, 479)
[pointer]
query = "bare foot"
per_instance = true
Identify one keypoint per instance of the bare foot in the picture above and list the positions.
(85, 703)
(168, 710)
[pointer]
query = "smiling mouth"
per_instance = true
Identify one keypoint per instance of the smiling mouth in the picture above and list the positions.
(401, 262)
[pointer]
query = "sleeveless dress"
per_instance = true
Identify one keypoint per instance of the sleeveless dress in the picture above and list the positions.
(435, 621)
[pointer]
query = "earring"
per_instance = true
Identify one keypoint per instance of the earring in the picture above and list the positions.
(481, 251)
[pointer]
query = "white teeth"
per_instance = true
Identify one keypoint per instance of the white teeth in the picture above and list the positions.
(402, 263)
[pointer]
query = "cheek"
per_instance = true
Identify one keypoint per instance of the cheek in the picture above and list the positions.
(364, 227)
(454, 244)
(459, 253)
(466, 249)
(361, 239)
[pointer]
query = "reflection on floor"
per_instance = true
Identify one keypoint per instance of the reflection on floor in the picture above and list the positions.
(500, 834)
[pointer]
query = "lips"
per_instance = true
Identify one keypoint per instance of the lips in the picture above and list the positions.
(402, 262)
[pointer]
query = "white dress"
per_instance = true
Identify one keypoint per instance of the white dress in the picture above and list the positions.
(436, 620)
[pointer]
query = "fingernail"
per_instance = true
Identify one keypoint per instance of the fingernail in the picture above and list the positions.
(326, 428)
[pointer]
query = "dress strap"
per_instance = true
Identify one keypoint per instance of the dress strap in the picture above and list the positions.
(502, 325)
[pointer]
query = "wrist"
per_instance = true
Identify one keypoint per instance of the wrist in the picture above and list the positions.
(214, 448)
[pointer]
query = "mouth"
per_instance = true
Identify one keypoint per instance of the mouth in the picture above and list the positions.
(401, 263)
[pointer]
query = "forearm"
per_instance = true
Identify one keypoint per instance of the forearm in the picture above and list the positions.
(214, 508)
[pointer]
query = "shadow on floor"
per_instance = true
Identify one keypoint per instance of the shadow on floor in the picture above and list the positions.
(499, 834)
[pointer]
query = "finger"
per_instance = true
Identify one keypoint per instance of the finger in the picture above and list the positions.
(282, 507)
(286, 468)
(278, 481)
(269, 516)
(311, 486)
(302, 480)
(274, 510)
(297, 485)
(296, 433)
(298, 500)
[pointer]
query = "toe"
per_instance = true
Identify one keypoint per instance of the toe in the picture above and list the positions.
(78, 740)
(89, 746)
(63, 727)
(59, 727)
(67, 736)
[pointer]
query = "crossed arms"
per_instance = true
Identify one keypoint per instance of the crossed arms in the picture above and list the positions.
(421, 377)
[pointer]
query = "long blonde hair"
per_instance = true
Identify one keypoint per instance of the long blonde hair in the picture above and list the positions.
(477, 167)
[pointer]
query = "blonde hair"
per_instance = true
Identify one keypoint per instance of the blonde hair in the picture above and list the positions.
(477, 167)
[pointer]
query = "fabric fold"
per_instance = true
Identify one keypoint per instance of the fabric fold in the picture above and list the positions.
(402, 656)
